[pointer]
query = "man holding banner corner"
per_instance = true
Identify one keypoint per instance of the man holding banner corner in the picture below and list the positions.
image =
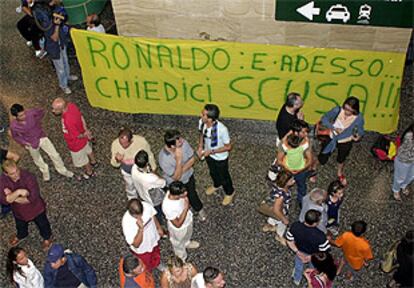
(50, 18)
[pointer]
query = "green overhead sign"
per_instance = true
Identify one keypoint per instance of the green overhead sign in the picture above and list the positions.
(389, 13)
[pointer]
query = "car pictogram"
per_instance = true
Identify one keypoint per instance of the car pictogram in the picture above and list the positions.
(338, 12)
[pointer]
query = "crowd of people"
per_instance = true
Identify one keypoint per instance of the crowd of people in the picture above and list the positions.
(162, 191)
(160, 205)
(44, 27)
(161, 202)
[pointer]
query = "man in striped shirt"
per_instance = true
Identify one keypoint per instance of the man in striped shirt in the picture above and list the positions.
(305, 239)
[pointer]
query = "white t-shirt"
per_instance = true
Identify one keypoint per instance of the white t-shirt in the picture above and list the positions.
(172, 210)
(33, 279)
(223, 138)
(198, 281)
(100, 29)
(144, 182)
(130, 229)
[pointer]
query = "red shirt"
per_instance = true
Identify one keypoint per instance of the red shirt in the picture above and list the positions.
(72, 127)
(25, 212)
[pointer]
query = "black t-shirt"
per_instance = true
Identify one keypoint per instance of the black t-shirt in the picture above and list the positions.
(307, 239)
(65, 278)
(284, 122)
(405, 259)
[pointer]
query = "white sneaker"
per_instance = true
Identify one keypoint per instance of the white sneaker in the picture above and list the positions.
(73, 78)
(192, 245)
(46, 177)
(68, 174)
(29, 43)
(40, 53)
(67, 90)
(202, 215)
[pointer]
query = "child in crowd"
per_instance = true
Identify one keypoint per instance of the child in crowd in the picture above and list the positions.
(356, 249)
(94, 24)
(334, 201)
(296, 157)
(323, 272)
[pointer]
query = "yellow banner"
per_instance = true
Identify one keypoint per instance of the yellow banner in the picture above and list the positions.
(250, 81)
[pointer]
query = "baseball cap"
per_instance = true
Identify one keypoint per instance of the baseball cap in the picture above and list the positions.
(56, 252)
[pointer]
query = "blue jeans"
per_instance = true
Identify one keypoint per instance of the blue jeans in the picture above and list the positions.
(301, 185)
(62, 68)
(403, 175)
(299, 268)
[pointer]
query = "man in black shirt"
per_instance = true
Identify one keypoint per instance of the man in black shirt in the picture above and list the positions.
(289, 112)
(305, 239)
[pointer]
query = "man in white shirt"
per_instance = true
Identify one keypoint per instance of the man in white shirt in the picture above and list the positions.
(145, 179)
(177, 211)
(210, 278)
(214, 145)
(142, 232)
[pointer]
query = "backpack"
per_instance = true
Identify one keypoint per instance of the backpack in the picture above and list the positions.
(42, 16)
(385, 147)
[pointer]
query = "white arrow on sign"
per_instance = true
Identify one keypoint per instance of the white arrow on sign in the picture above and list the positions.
(308, 10)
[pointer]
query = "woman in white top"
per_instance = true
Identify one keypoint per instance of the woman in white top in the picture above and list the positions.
(346, 125)
(22, 271)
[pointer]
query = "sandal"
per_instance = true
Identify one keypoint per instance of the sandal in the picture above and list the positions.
(281, 240)
(268, 228)
(349, 276)
(342, 179)
(46, 244)
(15, 241)
(313, 176)
(406, 191)
(85, 176)
(397, 196)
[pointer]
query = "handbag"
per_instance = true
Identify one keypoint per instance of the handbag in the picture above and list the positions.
(389, 262)
(274, 169)
(157, 195)
(266, 209)
(321, 132)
